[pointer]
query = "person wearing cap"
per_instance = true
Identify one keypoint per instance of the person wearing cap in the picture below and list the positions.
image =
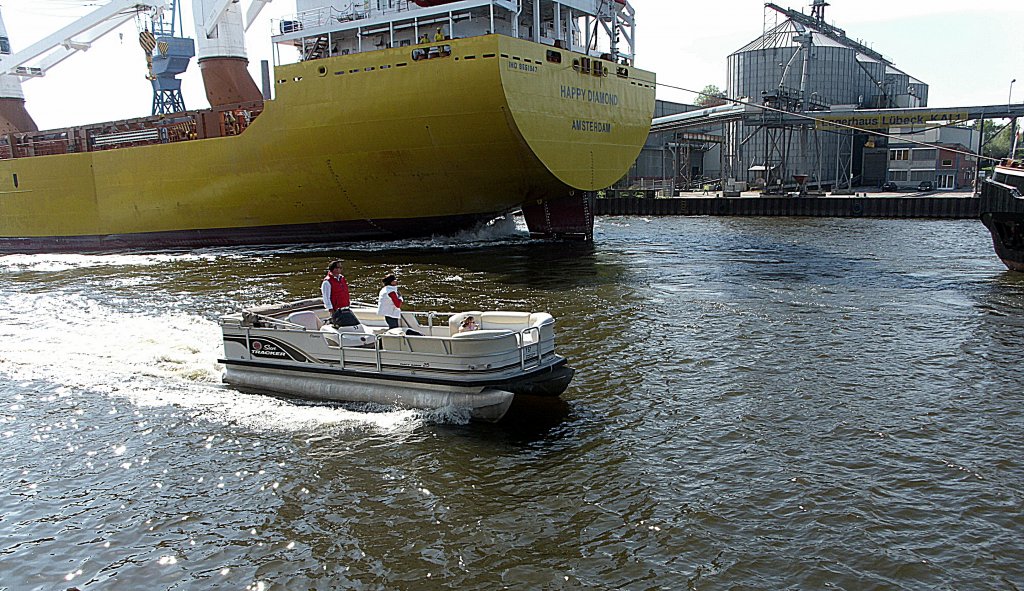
(439, 35)
(334, 290)
(389, 301)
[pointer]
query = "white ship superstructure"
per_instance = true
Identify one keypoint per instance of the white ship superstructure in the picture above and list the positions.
(599, 28)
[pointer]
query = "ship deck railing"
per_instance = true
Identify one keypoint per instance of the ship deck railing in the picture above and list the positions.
(138, 135)
(157, 129)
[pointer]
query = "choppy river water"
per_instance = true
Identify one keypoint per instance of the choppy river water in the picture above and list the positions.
(760, 404)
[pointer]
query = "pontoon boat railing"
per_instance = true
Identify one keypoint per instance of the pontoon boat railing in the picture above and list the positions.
(524, 348)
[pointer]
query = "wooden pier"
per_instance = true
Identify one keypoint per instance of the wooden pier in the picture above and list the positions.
(929, 206)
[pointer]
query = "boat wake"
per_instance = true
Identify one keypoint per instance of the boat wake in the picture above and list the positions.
(55, 262)
(167, 360)
(500, 232)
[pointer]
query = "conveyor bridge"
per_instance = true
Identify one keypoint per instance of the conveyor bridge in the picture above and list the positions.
(868, 119)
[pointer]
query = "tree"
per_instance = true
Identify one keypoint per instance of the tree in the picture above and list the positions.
(996, 140)
(711, 96)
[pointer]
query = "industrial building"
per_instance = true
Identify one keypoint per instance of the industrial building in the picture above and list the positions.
(805, 69)
(679, 160)
(803, 64)
(943, 162)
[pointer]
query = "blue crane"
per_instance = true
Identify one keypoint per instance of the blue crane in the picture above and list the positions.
(168, 56)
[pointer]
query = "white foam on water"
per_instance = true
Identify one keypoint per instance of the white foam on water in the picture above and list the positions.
(498, 232)
(152, 361)
(62, 262)
(503, 231)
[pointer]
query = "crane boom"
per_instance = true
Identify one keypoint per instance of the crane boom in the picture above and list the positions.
(254, 11)
(216, 12)
(77, 36)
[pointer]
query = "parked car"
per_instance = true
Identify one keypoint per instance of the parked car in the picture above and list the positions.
(926, 186)
(889, 186)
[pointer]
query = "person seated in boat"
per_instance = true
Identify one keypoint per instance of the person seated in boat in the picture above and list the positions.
(468, 324)
(334, 289)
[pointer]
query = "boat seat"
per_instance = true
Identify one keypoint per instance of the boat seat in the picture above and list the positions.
(397, 339)
(306, 319)
(483, 333)
(484, 341)
(408, 320)
(433, 345)
(538, 318)
(505, 320)
(345, 334)
(393, 340)
(330, 335)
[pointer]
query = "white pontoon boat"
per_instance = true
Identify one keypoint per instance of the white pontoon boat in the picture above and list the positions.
(290, 349)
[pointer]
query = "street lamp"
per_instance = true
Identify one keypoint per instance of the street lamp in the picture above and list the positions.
(1013, 123)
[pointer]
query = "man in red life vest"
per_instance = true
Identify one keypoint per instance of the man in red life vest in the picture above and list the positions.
(334, 289)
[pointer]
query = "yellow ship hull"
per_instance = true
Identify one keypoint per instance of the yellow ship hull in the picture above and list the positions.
(375, 144)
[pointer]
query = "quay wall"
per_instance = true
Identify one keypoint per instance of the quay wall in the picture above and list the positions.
(874, 207)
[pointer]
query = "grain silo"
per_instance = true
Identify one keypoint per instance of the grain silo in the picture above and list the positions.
(803, 64)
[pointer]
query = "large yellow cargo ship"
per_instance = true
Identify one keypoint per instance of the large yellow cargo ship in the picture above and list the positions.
(410, 140)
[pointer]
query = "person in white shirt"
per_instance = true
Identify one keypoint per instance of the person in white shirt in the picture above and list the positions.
(389, 301)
